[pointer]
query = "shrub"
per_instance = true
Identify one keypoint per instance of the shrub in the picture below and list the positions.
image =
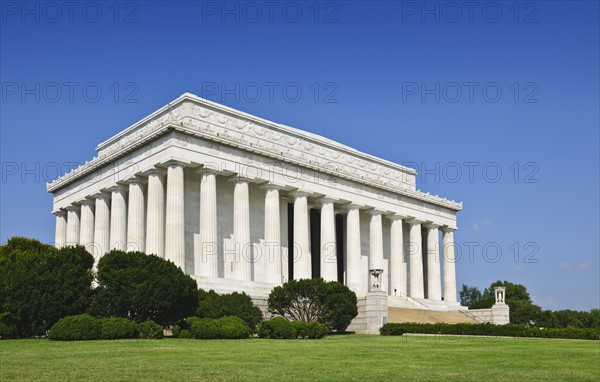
(150, 330)
(143, 287)
(175, 331)
(184, 333)
(213, 305)
(300, 329)
(314, 300)
(233, 328)
(487, 329)
(116, 328)
(8, 327)
(277, 327)
(73, 328)
(40, 284)
(316, 330)
(206, 329)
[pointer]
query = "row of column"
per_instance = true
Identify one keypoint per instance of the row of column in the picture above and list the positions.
(115, 220)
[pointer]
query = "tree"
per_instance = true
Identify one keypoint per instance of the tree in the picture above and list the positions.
(314, 300)
(40, 284)
(214, 305)
(143, 287)
(469, 296)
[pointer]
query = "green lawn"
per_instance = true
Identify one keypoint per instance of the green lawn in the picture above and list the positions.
(338, 358)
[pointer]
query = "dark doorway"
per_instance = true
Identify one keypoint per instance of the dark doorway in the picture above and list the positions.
(339, 241)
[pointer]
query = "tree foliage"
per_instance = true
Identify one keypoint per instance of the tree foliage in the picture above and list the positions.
(40, 284)
(314, 300)
(214, 305)
(143, 287)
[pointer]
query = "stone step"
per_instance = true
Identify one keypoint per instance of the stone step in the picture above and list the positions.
(423, 316)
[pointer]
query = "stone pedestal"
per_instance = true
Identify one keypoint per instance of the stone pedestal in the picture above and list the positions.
(375, 311)
(500, 314)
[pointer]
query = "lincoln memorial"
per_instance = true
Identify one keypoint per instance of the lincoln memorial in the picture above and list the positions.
(244, 204)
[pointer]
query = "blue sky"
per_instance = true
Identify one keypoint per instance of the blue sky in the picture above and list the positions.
(497, 104)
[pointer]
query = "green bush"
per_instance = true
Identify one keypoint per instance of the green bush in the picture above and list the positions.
(184, 333)
(175, 331)
(277, 327)
(206, 329)
(74, 328)
(487, 329)
(8, 327)
(316, 330)
(300, 329)
(40, 284)
(329, 303)
(143, 287)
(115, 328)
(151, 330)
(391, 330)
(233, 328)
(214, 305)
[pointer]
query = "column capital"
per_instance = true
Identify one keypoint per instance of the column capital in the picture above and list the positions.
(136, 179)
(353, 206)
(447, 229)
(412, 221)
(118, 188)
(102, 194)
(60, 212)
(73, 207)
(394, 216)
(375, 211)
(235, 178)
(175, 162)
(84, 201)
(431, 225)
(154, 171)
(326, 199)
(206, 170)
(298, 193)
(272, 186)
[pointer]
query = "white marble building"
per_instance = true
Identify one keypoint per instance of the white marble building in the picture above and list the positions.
(242, 203)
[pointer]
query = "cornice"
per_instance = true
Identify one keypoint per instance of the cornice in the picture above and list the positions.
(198, 117)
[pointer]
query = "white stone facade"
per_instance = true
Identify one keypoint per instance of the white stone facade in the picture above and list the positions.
(233, 199)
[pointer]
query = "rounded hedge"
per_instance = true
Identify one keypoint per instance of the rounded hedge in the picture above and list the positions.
(74, 328)
(277, 327)
(205, 329)
(184, 333)
(300, 329)
(150, 330)
(233, 327)
(316, 330)
(116, 328)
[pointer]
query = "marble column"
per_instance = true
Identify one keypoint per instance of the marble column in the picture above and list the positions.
(155, 221)
(136, 227)
(434, 285)
(415, 260)
(353, 249)
(175, 216)
(86, 232)
(376, 248)
(397, 268)
(207, 264)
(302, 258)
(273, 272)
(72, 225)
(449, 264)
(241, 229)
(102, 225)
(60, 237)
(328, 241)
(118, 218)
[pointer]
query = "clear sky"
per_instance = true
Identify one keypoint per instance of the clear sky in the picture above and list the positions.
(495, 103)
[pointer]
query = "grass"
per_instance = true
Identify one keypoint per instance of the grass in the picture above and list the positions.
(335, 358)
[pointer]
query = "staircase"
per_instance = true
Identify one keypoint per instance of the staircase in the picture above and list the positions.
(423, 316)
